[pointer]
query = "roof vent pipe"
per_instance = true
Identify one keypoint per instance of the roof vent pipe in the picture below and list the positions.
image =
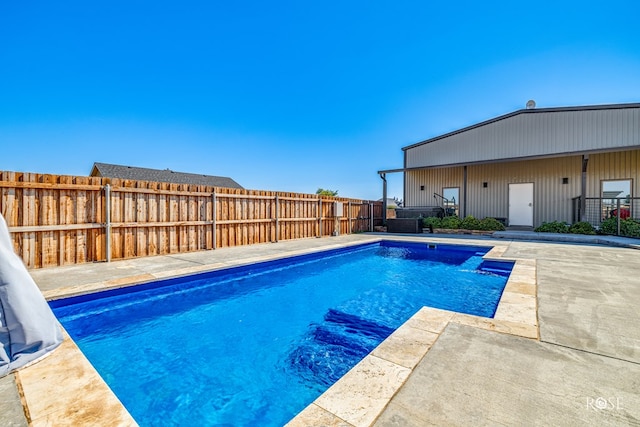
(531, 104)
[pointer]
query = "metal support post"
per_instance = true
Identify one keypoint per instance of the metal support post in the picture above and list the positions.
(383, 176)
(583, 188)
(618, 215)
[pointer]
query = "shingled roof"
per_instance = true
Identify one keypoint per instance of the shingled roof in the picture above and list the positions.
(160, 175)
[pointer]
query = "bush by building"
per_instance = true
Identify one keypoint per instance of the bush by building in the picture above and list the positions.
(468, 223)
(582, 227)
(552, 227)
(628, 227)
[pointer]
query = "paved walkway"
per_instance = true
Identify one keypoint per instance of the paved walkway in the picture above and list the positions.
(622, 242)
(583, 370)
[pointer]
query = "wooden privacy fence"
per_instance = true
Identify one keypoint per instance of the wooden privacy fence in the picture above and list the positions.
(62, 220)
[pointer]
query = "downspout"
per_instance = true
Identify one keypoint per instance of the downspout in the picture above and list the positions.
(383, 176)
(583, 188)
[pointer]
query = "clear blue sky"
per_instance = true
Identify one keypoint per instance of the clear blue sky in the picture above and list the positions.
(291, 95)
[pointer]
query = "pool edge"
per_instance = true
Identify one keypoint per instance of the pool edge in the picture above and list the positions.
(506, 321)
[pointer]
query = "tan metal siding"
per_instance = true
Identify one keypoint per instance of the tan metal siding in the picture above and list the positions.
(434, 180)
(533, 135)
(551, 198)
(613, 166)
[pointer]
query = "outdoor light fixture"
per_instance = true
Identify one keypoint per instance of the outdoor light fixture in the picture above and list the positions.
(565, 180)
(485, 184)
(422, 188)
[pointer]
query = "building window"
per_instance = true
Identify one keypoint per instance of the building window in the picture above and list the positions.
(616, 193)
(451, 201)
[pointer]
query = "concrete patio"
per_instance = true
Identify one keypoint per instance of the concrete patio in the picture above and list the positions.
(580, 365)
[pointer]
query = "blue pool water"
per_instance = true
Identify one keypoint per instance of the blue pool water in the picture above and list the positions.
(254, 345)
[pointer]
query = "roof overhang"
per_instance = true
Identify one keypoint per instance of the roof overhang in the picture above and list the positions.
(508, 160)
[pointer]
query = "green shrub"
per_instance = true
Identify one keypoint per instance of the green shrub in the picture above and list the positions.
(432, 221)
(552, 227)
(491, 224)
(470, 223)
(609, 226)
(582, 227)
(628, 227)
(451, 222)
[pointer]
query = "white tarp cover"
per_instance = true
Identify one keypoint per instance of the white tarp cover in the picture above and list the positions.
(28, 328)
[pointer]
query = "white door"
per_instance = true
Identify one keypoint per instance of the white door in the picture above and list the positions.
(521, 204)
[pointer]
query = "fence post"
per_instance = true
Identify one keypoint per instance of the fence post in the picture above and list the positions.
(107, 218)
(213, 218)
(618, 215)
(319, 233)
(277, 218)
(349, 217)
(336, 220)
(320, 216)
(371, 216)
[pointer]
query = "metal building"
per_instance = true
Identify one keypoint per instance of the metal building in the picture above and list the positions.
(531, 166)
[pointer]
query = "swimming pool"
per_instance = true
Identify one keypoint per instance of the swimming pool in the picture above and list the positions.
(254, 345)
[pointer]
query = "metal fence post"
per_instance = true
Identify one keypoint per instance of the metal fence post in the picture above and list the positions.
(107, 219)
(618, 215)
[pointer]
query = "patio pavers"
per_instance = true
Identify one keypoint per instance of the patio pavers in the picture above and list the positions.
(596, 308)
(477, 377)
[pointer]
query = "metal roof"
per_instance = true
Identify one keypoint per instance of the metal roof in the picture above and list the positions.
(160, 175)
(525, 111)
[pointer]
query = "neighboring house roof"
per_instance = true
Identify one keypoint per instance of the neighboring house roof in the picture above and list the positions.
(160, 175)
(532, 133)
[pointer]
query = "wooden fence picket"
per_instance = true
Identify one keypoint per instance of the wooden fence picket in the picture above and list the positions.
(62, 220)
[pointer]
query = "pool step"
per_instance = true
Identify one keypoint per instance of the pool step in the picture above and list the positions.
(358, 324)
(501, 268)
(330, 349)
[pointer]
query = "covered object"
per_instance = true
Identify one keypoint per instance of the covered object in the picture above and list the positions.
(28, 328)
